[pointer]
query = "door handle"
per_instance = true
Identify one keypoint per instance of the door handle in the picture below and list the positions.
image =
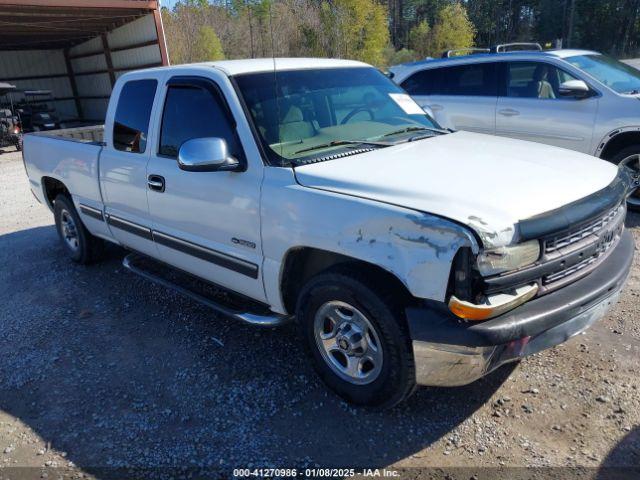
(156, 183)
(436, 108)
(508, 112)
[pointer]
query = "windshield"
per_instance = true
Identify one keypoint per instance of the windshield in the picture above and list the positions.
(321, 112)
(614, 74)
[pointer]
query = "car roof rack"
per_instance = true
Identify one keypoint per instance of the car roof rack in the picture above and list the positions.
(468, 51)
(519, 46)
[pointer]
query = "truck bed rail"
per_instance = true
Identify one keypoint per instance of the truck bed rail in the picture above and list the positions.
(92, 134)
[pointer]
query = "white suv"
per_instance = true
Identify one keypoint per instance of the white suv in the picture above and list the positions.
(576, 99)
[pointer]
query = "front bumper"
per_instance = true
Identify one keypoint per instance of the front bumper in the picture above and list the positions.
(449, 352)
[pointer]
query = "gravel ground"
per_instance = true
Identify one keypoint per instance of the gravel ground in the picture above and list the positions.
(100, 369)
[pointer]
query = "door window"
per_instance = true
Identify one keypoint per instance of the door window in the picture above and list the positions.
(476, 79)
(535, 80)
(131, 123)
(472, 80)
(421, 83)
(195, 112)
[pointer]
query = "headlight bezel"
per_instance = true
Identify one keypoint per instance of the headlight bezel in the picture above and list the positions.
(509, 258)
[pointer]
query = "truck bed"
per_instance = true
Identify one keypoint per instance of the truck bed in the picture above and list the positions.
(93, 134)
(68, 155)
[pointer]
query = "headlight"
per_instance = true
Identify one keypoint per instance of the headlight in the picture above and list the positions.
(504, 259)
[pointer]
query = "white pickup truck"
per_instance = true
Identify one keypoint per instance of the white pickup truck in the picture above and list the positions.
(318, 190)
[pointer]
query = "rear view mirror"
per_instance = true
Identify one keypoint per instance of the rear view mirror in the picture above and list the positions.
(575, 89)
(427, 109)
(207, 155)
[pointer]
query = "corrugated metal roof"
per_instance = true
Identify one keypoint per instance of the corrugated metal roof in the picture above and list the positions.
(31, 24)
(77, 48)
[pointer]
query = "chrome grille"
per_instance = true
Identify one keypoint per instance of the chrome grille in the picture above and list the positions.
(596, 238)
(554, 277)
(569, 238)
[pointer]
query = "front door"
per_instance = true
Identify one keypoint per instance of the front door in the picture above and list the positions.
(123, 166)
(531, 107)
(206, 223)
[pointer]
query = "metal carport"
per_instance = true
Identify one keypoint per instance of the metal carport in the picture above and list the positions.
(78, 48)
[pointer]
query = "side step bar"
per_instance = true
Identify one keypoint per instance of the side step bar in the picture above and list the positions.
(132, 263)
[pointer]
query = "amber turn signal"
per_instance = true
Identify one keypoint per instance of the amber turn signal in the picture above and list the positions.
(496, 305)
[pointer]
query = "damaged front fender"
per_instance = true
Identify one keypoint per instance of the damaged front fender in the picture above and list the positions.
(417, 248)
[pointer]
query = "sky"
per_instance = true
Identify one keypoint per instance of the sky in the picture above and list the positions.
(168, 3)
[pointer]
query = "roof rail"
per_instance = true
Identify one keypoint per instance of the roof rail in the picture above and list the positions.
(458, 52)
(506, 47)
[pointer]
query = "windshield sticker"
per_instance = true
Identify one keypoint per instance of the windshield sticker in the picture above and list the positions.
(406, 103)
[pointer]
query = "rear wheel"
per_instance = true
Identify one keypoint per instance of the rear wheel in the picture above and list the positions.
(78, 243)
(630, 157)
(357, 338)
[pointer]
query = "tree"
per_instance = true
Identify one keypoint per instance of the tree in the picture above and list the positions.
(207, 46)
(355, 29)
(396, 57)
(419, 38)
(452, 30)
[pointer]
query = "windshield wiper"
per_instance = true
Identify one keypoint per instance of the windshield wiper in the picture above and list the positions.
(414, 129)
(337, 143)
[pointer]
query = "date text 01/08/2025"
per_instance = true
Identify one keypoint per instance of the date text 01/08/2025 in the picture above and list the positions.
(315, 473)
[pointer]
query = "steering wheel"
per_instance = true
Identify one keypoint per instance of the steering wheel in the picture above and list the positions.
(354, 112)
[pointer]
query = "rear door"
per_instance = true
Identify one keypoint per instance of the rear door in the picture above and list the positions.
(206, 223)
(462, 97)
(530, 107)
(123, 165)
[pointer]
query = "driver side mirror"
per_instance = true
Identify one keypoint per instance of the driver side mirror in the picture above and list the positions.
(575, 89)
(207, 155)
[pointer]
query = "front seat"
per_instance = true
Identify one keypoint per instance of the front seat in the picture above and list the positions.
(293, 126)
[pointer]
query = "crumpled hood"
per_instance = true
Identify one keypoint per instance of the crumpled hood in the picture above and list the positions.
(488, 183)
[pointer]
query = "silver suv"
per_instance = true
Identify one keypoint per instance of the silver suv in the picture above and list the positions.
(576, 99)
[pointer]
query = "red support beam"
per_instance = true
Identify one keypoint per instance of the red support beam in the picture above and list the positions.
(78, 74)
(125, 4)
(118, 49)
(162, 42)
(120, 69)
(34, 77)
(72, 81)
(107, 57)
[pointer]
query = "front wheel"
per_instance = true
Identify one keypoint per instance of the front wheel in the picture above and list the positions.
(630, 157)
(357, 338)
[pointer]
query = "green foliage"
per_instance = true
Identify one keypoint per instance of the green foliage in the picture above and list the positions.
(355, 29)
(452, 30)
(207, 46)
(384, 32)
(419, 38)
(396, 57)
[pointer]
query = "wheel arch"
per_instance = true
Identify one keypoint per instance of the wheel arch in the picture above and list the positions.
(617, 140)
(52, 187)
(302, 263)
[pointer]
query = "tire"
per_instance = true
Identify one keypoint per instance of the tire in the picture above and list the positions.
(627, 155)
(78, 243)
(380, 345)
